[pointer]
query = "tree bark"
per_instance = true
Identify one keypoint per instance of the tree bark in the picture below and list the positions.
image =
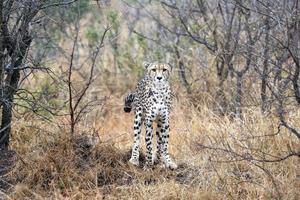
(295, 84)
(238, 97)
(1, 50)
(181, 73)
(9, 91)
(295, 51)
(264, 75)
(222, 73)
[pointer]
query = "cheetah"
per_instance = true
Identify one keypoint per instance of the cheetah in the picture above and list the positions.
(151, 102)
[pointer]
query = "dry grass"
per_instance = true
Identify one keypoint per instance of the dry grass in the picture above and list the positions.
(53, 166)
(219, 157)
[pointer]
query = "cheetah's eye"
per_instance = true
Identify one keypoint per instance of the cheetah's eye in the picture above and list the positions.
(164, 70)
(154, 70)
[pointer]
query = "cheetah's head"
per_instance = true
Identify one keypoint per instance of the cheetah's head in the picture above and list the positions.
(158, 72)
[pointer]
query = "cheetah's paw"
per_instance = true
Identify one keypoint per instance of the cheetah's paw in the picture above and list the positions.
(171, 165)
(134, 161)
(156, 160)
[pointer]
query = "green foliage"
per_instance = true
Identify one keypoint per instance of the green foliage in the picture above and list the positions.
(66, 16)
(114, 22)
(113, 18)
(92, 34)
(158, 54)
(141, 41)
(76, 11)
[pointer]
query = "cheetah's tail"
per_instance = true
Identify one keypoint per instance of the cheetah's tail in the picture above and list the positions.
(128, 102)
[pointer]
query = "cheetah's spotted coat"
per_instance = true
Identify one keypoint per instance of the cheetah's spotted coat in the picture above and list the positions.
(151, 101)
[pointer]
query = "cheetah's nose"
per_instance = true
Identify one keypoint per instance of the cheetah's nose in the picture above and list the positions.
(159, 78)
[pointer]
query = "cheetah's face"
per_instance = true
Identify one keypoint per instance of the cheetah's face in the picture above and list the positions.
(159, 72)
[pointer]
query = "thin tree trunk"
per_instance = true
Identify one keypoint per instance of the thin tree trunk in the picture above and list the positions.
(5, 124)
(238, 97)
(264, 75)
(296, 51)
(222, 73)
(3, 137)
(1, 49)
(295, 83)
(181, 72)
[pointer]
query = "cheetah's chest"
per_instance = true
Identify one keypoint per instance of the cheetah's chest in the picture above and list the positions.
(158, 101)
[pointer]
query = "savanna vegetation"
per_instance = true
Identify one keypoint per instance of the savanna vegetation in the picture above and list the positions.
(66, 66)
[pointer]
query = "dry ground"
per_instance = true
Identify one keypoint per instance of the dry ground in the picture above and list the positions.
(218, 157)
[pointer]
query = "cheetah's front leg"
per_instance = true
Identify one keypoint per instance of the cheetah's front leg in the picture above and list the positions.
(158, 142)
(165, 140)
(149, 136)
(137, 135)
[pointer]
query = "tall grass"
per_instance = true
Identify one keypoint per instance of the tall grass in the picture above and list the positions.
(211, 151)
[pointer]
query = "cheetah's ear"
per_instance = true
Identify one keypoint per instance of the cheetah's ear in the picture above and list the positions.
(146, 64)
